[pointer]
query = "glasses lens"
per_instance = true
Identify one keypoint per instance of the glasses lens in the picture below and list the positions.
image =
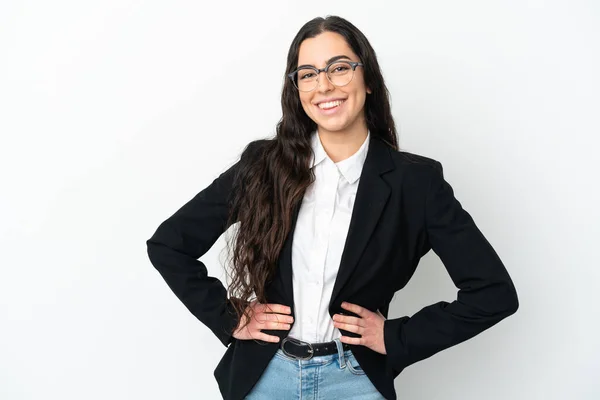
(306, 79)
(340, 73)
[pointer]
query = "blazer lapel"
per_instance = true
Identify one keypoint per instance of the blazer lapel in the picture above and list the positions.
(371, 196)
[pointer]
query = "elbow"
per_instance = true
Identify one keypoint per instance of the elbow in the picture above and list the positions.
(512, 298)
(150, 242)
(510, 303)
(507, 298)
(154, 250)
(149, 250)
(149, 246)
(513, 303)
(499, 303)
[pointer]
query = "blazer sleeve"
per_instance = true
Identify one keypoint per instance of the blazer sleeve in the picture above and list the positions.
(184, 237)
(486, 292)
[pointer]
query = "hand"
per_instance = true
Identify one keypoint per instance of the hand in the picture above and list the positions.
(264, 316)
(369, 326)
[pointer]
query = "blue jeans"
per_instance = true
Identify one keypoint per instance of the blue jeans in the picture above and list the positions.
(334, 376)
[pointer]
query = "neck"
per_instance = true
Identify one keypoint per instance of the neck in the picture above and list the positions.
(340, 145)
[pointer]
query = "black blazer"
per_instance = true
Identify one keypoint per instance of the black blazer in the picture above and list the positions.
(404, 207)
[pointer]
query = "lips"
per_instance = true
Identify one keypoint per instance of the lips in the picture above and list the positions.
(330, 107)
(330, 104)
(329, 100)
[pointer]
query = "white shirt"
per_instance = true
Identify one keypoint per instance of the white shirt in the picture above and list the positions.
(319, 239)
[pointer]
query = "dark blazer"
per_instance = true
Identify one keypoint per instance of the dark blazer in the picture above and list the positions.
(404, 207)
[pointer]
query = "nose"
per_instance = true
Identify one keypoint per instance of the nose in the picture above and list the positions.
(323, 84)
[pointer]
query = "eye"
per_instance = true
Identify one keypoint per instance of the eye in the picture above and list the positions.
(306, 75)
(340, 68)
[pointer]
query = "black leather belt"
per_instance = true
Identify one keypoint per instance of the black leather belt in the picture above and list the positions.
(305, 351)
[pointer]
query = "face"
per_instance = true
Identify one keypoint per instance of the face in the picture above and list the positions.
(347, 116)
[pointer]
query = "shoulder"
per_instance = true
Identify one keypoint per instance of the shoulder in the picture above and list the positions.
(415, 160)
(412, 173)
(415, 166)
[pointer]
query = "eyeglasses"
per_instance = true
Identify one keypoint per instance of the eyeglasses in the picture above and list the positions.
(339, 73)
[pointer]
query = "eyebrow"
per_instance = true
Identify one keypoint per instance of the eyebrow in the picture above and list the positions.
(332, 59)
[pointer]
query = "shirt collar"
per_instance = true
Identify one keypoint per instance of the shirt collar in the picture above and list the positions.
(351, 167)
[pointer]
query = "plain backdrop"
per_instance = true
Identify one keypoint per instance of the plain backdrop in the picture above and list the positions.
(115, 113)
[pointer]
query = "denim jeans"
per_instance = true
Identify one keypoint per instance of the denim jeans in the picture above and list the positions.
(334, 376)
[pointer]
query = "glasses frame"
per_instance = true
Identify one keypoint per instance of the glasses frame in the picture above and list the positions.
(325, 69)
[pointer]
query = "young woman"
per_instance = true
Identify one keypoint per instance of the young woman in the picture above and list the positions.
(333, 219)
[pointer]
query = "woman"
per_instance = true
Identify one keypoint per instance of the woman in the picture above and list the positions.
(333, 219)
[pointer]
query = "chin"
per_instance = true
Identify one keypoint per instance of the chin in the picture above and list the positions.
(332, 126)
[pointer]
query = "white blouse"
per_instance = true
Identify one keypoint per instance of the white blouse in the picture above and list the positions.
(319, 239)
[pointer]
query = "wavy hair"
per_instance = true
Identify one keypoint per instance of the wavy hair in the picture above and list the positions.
(272, 184)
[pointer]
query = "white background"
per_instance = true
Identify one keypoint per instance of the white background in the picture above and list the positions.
(115, 113)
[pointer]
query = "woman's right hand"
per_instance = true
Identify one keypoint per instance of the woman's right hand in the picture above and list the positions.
(264, 316)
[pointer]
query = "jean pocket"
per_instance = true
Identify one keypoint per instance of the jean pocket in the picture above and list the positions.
(353, 365)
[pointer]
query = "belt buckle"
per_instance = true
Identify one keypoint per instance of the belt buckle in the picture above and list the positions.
(300, 342)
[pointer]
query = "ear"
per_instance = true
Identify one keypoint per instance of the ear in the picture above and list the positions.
(368, 91)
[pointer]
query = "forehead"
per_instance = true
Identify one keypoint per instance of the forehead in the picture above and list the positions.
(316, 51)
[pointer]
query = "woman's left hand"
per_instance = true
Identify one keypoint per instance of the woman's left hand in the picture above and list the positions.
(369, 326)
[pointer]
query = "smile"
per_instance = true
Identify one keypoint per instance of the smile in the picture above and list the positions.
(330, 105)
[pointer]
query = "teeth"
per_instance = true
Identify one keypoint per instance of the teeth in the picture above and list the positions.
(331, 104)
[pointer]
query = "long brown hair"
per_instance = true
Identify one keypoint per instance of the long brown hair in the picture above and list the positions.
(273, 184)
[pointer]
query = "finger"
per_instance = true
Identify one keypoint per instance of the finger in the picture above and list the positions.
(262, 317)
(349, 327)
(346, 319)
(276, 317)
(275, 325)
(351, 340)
(267, 338)
(355, 308)
(274, 308)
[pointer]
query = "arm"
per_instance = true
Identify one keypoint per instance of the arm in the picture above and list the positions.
(486, 292)
(184, 237)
